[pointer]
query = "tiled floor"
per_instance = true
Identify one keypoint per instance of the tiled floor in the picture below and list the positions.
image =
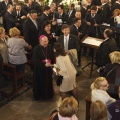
(25, 108)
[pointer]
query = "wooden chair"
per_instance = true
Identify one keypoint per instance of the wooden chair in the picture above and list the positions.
(18, 81)
(88, 103)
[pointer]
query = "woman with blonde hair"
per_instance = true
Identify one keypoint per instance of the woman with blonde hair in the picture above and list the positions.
(99, 87)
(67, 110)
(111, 71)
(98, 111)
(16, 49)
(3, 46)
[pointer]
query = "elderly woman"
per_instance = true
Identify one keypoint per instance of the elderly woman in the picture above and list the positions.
(16, 49)
(3, 46)
(99, 87)
(67, 110)
(110, 72)
(67, 70)
(98, 111)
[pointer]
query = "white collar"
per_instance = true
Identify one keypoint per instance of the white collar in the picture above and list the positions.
(117, 2)
(75, 26)
(45, 14)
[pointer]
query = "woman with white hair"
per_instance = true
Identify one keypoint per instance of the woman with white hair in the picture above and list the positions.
(99, 87)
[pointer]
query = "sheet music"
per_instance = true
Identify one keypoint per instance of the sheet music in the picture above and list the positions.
(93, 41)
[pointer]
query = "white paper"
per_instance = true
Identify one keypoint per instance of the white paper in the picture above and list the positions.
(93, 41)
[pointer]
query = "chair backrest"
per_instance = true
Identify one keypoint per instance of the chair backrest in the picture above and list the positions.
(88, 103)
(117, 76)
(9, 70)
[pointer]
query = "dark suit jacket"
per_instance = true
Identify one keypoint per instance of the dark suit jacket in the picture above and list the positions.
(102, 56)
(74, 30)
(73, 42)
(83, 12)
(72, 15)
(44, 17)
(105, 13)
(31, 32)
(3, 8)
(25, 8)
(10, 21)
(115, 6)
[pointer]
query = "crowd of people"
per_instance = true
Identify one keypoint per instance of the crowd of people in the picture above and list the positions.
(52, 35)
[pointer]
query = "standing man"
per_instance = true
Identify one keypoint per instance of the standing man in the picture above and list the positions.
(10, 19)
(43, 58)
(70, 42)
(31, 28)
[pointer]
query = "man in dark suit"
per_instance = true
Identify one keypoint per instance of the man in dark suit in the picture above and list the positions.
(9, 18)
(20, 15)
(71, 11)
(31, 28)
(45, 15)
(104, 11)
(72, 41)
(52, 11)
(68, 40)
(116, 5)
(62, 18)
(74, 28)
(108, 46)
(84, 8)
(93, 21)
(3, 10)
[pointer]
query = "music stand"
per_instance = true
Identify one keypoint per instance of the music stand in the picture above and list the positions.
(91, 42)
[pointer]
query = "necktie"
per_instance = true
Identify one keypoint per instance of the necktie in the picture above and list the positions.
(66, 44)
(69, 13)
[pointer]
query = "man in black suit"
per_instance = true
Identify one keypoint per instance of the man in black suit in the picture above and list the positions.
(45, 15)
(74, 28)
(104, 11)
(52, 11)
(69, 41)
(116, 5)
(84, 8)
(108, 46)
(71, 11)
(20, 15)
(31, 28)
(72, 41)
(62, 18)
(3, 10)
(93, 21)
(10, 19)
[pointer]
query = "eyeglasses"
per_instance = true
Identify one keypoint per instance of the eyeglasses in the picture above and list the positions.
(105, 85)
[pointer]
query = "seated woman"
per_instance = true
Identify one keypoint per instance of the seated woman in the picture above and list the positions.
(67, 110)
(110, 72)
(112, 21)
(99, 87)
(3, 46)
(48, 33)
(67, 70)
(16, 49)
(98, 111)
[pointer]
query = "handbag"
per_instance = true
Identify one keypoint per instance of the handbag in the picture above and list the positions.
(53, 115)
(59, 80)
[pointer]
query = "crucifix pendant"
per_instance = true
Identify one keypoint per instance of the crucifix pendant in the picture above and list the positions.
(46, 60)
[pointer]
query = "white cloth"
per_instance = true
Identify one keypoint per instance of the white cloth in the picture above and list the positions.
(67, 118)
(68, 72)
(98, 94)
